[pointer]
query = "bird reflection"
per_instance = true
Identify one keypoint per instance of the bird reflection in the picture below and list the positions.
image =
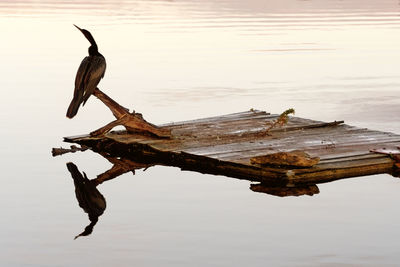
(89, 198)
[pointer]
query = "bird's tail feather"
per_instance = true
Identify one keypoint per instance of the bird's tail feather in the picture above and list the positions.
(73, 107)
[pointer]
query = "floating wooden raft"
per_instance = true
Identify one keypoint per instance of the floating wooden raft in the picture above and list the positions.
(225, 145)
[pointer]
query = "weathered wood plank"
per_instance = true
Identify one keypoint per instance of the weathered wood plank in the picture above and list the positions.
(228, 117)
(251, 151)
(334, 154)
(251, 147)
(320, 135)
(225, 144)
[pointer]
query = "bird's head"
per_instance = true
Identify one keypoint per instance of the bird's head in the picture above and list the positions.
(88, 229)
(88, 36)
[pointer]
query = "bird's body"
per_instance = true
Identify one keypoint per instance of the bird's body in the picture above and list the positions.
(89, 198)
(89, 74)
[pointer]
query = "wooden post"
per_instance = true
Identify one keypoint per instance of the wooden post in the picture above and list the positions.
(133, 122)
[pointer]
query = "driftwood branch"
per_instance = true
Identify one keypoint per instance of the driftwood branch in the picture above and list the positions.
(60, 151)
(120, 166)
(109, 126)
(133, 122)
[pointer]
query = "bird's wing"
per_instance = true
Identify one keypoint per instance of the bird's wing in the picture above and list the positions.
(79, 87)
(95, 72)
(80, 76)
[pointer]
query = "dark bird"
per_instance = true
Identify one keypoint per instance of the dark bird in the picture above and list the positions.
(89, 74)
(89, 198)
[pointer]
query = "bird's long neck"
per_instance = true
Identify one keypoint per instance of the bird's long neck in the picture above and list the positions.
(93, 50)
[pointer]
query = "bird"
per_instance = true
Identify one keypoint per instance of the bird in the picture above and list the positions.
(89, 198)
(90, 72)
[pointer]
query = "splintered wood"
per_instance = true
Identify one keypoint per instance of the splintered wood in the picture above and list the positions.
(238, 145)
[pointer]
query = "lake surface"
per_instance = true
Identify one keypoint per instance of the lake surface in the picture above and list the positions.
(178, 60)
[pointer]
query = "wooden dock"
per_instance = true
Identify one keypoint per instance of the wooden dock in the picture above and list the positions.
(226, 145)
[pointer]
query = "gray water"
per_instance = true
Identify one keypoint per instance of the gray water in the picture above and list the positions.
(178, 60)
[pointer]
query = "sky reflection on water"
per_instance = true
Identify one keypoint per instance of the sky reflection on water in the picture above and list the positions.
(176, 60)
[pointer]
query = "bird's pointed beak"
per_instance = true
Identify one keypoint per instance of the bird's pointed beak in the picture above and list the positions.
(87, 34)
(78, 27)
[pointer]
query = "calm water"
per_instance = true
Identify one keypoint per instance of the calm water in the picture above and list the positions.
(175, 60)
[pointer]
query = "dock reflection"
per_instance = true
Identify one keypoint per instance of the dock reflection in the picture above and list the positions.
(284, 191)
(92, 201)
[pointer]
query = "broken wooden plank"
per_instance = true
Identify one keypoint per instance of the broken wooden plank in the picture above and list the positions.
(294, 158)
